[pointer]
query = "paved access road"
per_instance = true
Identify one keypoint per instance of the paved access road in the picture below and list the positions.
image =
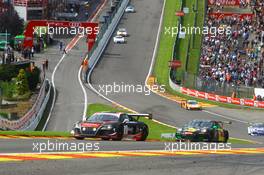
(70, 98)
(128, 64)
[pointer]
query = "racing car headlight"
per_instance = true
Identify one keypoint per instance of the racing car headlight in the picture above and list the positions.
(107, 127)
(203, 130)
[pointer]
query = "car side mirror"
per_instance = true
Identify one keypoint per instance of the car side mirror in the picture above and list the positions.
(125, 121)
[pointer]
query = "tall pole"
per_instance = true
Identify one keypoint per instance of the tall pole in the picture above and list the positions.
(6, 39)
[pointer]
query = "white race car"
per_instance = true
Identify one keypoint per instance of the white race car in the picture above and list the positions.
(256, 129)
(119, 39)
(122, 32)
(130, 9)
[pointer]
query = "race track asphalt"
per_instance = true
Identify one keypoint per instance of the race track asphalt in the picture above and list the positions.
(128, 64)
(70, 98)
(179, 165)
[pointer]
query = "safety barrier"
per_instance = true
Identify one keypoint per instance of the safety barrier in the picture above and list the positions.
(97, 52)
(218, 98)
(31, 119)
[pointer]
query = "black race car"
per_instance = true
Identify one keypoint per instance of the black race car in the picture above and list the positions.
(115, 126)
(203, 130)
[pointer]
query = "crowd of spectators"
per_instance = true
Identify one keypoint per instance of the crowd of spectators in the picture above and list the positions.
(236, 57)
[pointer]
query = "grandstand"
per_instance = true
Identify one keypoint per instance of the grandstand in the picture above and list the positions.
(232, 61)
(235, 58)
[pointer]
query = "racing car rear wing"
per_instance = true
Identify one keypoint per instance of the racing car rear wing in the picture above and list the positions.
(141, 115)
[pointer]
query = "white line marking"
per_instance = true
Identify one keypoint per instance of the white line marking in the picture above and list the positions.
(84, 93)
(68, 48)
(54, 91)
(156, 44)
(80, 70)
(223, 116)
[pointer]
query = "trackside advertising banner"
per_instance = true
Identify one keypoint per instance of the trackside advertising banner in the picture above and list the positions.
(221, 15)
(224, 2)
(223, 99)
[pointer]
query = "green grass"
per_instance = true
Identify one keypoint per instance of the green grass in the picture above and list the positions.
(240, 141)
(182, 47)
(164, 54)
(9, 92)
(4, 115)
(98, 107)
(155, 129)
(196, 40)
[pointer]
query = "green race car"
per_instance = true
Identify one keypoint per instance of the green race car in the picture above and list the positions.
(203, 130)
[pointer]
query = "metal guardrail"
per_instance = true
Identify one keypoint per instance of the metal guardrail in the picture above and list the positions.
(106, 31)
(106, 24)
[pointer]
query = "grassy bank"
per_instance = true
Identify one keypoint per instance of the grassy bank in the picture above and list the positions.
(183, 44)
(189, 59)
(196, 40)
(164, 53)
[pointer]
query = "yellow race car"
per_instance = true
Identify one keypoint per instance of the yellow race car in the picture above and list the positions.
(191, 105)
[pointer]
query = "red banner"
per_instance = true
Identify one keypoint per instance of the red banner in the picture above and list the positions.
(261, 104)
(221, 15)
(249, 102)
(224, 2)
(211, 97)
(223, 99)
(184, 90)
(91, 30)
(191, 92)
(201, 94)
(235, 101)
(175, 64)
(180, 13)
